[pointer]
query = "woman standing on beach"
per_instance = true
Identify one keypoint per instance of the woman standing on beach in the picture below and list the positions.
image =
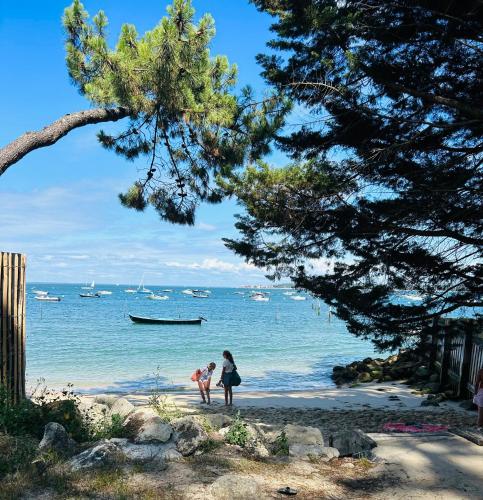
(478, 399)
(226, 376)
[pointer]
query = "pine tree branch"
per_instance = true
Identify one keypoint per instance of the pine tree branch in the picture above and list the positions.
(30, 141)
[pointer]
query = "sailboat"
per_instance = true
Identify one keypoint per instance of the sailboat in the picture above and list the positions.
(91, 287)
(141, 287)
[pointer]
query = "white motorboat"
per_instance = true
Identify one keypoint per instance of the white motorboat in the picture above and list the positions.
(153, 296)
(259, 297)
(130, 290)
(44, 298)
(104, 292)
(167, 290)
(289, 293)
(297, 297)
(41, 293)
(199, 295)
(188, 291)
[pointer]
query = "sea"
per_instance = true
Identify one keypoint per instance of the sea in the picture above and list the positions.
(278, 345)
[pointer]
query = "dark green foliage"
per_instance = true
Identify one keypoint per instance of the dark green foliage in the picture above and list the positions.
(184, 118)
(16, 453)
(385, 188)
(112, 427)
(237, 432)
(281, 445)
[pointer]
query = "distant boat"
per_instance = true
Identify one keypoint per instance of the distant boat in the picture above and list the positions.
(166, 321)
(41, 293)
(167, 290)
(289, 293)
(259, 297)
(89, 287)
(141, 287)
(89, 295)
(157, 297)
(297, 297)
(187, 291)
(44, 298)
(104, 292)
(199, 295)
(239, 293)
(130, 290)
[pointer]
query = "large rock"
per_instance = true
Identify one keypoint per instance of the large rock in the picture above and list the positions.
(234, 487)
(104, 453)
(298, 434)
(137, 419)
(122, 407)
(93, 412)
(105, 399)
(56, 439)
(153, 430)
(147, 453)
(218, 420)
(351, 442)
(308, 451)
(189, 434)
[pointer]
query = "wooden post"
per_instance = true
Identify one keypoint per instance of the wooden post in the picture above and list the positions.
(465, 368)
(12, 324)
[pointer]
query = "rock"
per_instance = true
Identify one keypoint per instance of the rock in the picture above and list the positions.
(93, 412)
(218, 420)
(468, 405)
(422, 372)
(348, 465)
(153, 430)
(105, 399)
(234, 487)
(105, 453)
(56, 439)
(297, 434)
(189, 434)
(364, 377)
(307, 451)
(147, 453)
(136, 420)
(122, 407)
(432, 386)
(351, 442)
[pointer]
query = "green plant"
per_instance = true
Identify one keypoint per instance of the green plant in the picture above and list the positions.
(237, 432)
(110, 427)
(210, 445)
(281, 444)
(160, 402)
(16, 453)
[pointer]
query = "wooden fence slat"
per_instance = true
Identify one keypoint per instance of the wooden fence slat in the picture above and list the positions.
(12, 324)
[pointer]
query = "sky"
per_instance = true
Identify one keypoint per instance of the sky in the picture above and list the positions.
(59, 205)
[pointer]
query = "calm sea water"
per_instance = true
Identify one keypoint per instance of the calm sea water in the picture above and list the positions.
(278, 345)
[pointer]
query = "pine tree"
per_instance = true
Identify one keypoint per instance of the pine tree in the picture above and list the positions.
(186, 126)
(385, 181)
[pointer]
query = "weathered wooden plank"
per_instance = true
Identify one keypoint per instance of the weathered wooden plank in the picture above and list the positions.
(3, 318)
(23, 319)
(14, 313)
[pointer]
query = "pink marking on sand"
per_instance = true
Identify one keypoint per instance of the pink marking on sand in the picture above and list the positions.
(401, 427)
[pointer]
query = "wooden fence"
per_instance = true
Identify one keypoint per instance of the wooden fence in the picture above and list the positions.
(12, 324)
(458, 353)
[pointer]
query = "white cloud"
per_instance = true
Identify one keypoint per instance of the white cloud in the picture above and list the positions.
(213, 264)
(205, 227)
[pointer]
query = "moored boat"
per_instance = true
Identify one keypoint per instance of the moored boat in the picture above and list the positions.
(297, 297)
(167, 321)
(188, 291)
(89, 295)
(153, 296)
(104, 292)
(199, 295)
(44, 298)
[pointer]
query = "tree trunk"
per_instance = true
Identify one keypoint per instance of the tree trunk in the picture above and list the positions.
(30, 141)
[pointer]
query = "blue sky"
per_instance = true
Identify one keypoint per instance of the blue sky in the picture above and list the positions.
(59, 205)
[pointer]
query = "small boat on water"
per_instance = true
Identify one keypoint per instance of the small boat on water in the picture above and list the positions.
(166, 321)
(130, 290)
(167, 290)
(199, 295)
(297, 297)
(89, 295)
(259, 297)
(289, 293)
(41, 293)
(89, 287)
(188, 291)
(44, 298)
(104, 292)
(153, 296)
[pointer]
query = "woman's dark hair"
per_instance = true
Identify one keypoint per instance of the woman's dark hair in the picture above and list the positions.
(228, 356)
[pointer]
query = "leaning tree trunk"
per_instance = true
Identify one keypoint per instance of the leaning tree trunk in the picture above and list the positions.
(50, 134)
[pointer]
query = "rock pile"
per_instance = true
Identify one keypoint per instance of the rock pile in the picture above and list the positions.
(406, 365)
